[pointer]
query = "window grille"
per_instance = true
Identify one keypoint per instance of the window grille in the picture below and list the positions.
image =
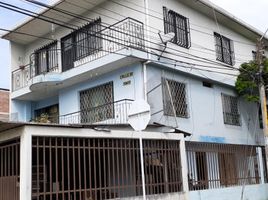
(50, 113)
(212, 165)
(224, 49)
(95, 168)
(81, 43)
(178, 24)
(96, 103)
(174, 93)
(162, 167)
(230, 110)
(45, 59)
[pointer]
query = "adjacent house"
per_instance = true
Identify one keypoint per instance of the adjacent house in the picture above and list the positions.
(4, 104)
(79, 66)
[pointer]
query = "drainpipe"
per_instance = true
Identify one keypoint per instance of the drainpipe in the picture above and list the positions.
(148, 45)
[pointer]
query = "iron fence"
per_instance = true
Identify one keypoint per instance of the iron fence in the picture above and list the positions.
(110, 113)
(80, 47)
(128, 33)
(221, 165)
(93, 168)
(9, 170)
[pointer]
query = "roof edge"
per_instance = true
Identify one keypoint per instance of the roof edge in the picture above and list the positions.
(229, 15)
(29, 19)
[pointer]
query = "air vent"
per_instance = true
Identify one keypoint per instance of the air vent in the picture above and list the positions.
(207, 84)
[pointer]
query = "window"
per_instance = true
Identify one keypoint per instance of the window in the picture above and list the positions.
(81, 43)
(254, 55)
(174, 93)
(45, 59)
(178, 24)
(48, 114)
(224, 49)
(96, 104)
(230, 110)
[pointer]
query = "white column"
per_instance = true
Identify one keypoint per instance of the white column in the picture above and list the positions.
(260, 158)
(142, 168)
(25, 166)
(184, 171)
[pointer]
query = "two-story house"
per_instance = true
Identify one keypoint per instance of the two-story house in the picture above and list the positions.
(79, 66)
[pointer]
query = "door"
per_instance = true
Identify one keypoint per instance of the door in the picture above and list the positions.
(68, 52)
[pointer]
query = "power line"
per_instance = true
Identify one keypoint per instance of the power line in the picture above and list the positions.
(23, 33)
(159, 18)
(73, 4)
(112, 41)
(79, 16)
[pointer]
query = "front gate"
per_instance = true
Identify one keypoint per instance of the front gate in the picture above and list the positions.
(9, 170)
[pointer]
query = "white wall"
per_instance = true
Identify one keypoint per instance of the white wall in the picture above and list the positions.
(205, 121)
(256, 192)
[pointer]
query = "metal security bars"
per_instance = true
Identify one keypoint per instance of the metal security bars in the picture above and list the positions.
(96, 169)
(81, 43)
(110, 113)
(231, 114)
(98, 96)
(21, 78)
(9, 170)
(213, 165)
(178, 24)
(174, 94)
(224, 49)
(45, 59)
(162, 166)
(82, 46)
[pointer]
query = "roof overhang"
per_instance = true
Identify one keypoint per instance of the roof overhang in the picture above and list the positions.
(40, 28)
(227, 19)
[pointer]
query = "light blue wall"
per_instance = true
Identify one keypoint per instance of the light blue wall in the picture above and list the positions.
(69, 97)
(21, 110)
(205, 121)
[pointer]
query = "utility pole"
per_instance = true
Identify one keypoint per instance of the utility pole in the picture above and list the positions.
(259, 59)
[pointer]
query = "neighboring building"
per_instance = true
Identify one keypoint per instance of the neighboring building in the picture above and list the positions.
(72, 91)
(4, 104)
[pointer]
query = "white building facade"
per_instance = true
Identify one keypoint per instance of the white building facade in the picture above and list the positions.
(78, 67)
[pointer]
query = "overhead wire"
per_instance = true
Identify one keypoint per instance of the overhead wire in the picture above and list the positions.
(151, 37)
(72, 28)
(75, 15)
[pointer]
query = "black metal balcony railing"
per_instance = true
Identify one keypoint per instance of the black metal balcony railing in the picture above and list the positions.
(128, 33)
(110, 113)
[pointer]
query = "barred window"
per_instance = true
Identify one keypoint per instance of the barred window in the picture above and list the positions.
(230, 110)
(178, 24)
(96, 103)
(45, 59)
(50, 113)
(174, 93)
(212, 165)
(224, 49)
(81, 43)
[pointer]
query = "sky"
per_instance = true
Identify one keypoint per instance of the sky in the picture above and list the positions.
(252, 12)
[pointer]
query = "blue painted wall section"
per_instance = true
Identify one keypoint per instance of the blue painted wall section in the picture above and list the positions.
(212, 139)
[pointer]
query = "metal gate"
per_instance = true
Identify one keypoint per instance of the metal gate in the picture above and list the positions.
(9, 170)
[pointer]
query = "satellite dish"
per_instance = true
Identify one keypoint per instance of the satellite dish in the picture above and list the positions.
(139, 115)
(165, 38)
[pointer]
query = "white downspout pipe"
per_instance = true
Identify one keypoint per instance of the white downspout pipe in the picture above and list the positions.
(147, 47)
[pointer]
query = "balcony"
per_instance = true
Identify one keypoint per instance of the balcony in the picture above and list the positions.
(107, 114)
(79, 48)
